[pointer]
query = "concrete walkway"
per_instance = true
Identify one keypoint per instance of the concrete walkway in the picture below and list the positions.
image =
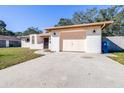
(65, 69)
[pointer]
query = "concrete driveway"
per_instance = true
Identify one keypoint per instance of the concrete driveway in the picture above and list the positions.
(65, 69)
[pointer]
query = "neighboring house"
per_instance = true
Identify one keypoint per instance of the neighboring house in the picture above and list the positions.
(81, 38)
(9, 41)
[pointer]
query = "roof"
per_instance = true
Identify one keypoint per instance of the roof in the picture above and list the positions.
(102, 24)
(42, 34)
(12, 38)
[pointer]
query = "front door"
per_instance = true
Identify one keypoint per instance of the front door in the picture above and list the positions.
(46, 43)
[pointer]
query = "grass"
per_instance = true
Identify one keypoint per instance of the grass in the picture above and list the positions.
(13, 56)
(119, 57)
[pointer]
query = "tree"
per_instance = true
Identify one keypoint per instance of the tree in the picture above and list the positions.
(32, 30)
(115, 13)
(18, 34)
(64, 21)
(2, 27)
(9, 33)
(87, 16)
(4, 31)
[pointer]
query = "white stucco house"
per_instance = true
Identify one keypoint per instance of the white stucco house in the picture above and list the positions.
(80, 38)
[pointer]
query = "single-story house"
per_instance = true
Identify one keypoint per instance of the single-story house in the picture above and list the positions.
(9, 41)
(81, 38)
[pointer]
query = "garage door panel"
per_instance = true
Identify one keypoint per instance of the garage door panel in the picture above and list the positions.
(73, 40)
(81, 45)
(67, 45)
(73, 45)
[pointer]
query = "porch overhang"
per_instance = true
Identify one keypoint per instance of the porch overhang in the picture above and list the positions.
(44, 35)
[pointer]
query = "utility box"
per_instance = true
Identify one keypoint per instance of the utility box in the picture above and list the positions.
(105, 47)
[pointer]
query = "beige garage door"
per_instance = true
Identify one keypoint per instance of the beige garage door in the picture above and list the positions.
(72, 41)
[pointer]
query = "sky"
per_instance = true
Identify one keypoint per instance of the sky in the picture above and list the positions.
(19, 18)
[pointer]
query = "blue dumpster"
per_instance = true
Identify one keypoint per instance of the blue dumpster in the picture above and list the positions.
(105, 46)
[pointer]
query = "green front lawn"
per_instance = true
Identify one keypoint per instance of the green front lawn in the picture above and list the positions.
(119, 57)
(12, 56)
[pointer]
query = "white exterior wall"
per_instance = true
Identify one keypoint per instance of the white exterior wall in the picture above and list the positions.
(93, 41)
(24, 43)
(36, 45)
(55, 42)
(49, 43)
(7, 43)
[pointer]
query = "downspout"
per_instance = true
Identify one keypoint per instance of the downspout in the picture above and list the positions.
(101, 35)
(103, 26)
